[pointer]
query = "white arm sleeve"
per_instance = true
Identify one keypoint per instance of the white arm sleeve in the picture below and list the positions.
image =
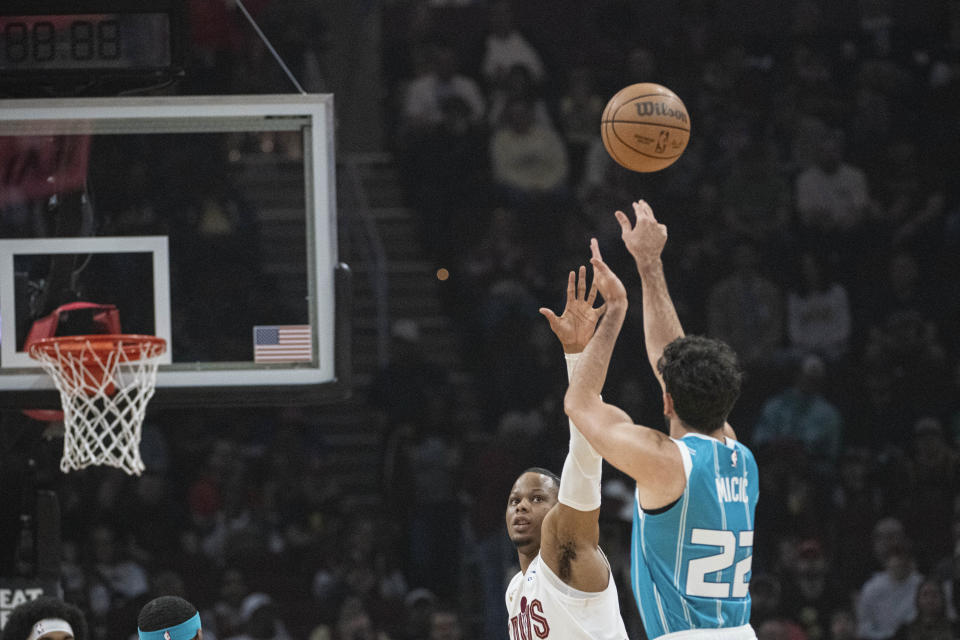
(580, 480)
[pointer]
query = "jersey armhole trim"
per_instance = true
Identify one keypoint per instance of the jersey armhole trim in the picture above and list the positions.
(687, 465)
(685, 456)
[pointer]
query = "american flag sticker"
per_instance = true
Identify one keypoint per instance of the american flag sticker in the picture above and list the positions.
(283, 343)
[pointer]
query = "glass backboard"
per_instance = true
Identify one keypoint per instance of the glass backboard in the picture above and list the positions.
(207, 221)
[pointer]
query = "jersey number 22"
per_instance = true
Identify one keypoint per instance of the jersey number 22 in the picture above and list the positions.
(698, 569)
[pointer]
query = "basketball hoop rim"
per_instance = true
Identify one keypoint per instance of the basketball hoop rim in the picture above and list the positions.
(134, 346)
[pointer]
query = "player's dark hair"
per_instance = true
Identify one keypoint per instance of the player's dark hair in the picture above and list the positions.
(24, 616)
(544, 472)
(703, 378)
(164, 612)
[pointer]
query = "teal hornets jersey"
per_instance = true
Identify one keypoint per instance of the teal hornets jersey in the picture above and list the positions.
(690, 561)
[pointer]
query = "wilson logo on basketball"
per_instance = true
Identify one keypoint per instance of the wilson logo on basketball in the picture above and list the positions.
(660, 109)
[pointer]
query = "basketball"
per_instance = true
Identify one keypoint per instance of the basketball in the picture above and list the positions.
(645, 127)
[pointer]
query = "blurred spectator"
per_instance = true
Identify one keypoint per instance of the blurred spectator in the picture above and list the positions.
(931, 621)
(876, 116)
(888, 536)
(911, 209)
(506, 331)
(904, 286)
(949, 572)
(518, 84)
(360, 566)
(418, 609)
(241, 527)
(111, 578)
(935, 480)
(260, 619)
(422, 110)
(889, 598)
(298, 31)
(505, 47)
(952, 411)
(354, 623)
(223, 618)
(580, 108)
(425, 484)
(843, 625)
(498, 253)
(766, 598)
(404, 387)
(780, 629)
(452, 181)
(218, 42)
(801, 414)
(905, 357)
(405, 48)
(605, 186)
(746, 310)
(818, 312)
(856, 507)
(756, 198)
(812, 592)
(530, 167)
(445, 624)
(813, 81)
(833, 201)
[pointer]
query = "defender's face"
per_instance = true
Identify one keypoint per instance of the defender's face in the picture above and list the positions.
(531, 498)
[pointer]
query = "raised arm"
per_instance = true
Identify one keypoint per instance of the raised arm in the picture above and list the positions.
(571, 531)
(646, 455)
(645, 241)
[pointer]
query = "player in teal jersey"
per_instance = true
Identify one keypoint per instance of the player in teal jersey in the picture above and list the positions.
(696, 490)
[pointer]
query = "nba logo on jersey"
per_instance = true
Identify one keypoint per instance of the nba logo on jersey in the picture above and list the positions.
(733, 458)
(166, 635)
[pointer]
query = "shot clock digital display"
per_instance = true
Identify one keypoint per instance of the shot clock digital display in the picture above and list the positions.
(89, 38)
(85, 41)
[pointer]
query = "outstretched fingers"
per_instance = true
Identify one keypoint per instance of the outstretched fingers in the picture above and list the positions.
(595, 250)
(595, 258)
(550, 316)
(571, 288)
(592, 297)
(643, 210)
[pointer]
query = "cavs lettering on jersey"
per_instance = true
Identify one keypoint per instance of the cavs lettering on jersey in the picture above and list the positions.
(690, 561)
(540, 605)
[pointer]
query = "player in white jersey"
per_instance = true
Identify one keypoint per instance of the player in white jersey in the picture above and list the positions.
(696, 489)
(564, 589)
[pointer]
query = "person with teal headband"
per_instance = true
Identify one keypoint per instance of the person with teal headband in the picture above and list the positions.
(169, 618)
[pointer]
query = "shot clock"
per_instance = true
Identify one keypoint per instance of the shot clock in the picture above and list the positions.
(90, 39)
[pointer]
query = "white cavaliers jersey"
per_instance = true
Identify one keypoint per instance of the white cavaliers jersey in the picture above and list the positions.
(540, 605)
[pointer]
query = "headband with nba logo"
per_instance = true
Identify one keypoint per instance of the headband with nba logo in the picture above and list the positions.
(186, 630)
(49, 625)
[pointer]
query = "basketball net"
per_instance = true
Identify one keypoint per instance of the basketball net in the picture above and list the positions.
(105, 383)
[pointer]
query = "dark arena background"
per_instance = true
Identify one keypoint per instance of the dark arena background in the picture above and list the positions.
(814, 224)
